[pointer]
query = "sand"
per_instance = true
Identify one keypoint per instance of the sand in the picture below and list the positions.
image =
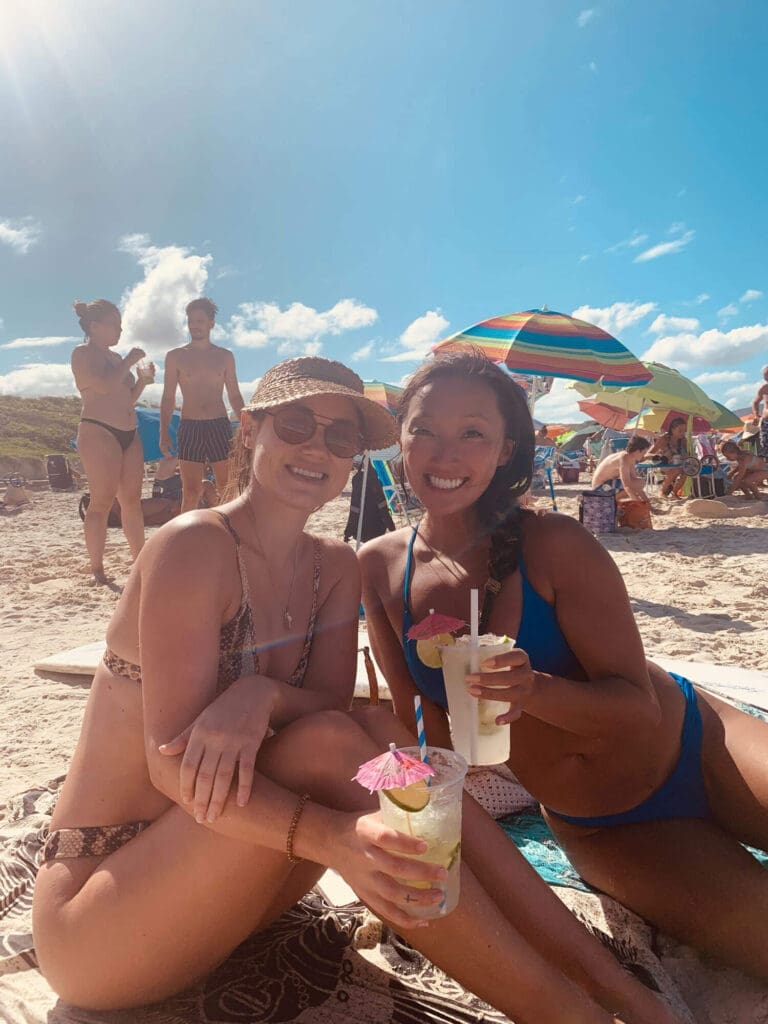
(697, 587)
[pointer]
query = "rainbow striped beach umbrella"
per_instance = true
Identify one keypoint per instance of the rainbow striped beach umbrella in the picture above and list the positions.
(387, 395)
(542, 342)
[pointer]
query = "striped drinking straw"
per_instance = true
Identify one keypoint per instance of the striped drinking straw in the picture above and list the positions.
(420, 731)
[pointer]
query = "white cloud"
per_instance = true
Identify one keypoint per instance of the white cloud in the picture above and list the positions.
(153, 309)
(39, 342)
(419, 337)
(665, 248)
(710, 348)
(363, 353)
(632, 242)
(751, 295)
(728, 311)
(584, 257)
(676, 228)
(38, 379)
(586, 16)
(297, 328)
(664, 324)
(741, 395)
(559, 405)
(20, 235)
(617, 317)
(578, 200)
(720, 377)
(702, 297)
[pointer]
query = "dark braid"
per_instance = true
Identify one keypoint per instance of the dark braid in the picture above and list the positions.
(498, 513)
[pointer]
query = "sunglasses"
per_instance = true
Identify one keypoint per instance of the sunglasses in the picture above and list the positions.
(297, 424)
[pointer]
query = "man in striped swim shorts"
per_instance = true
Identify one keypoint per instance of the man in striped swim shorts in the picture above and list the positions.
(202, 370)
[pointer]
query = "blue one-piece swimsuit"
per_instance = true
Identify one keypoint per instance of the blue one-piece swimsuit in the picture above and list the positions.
(683, 795)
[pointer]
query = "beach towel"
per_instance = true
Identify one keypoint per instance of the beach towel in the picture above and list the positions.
(321, 964)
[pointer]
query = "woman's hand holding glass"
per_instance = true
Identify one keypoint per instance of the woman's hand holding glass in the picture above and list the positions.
(225, 736)
(513, 686)
(375, 861)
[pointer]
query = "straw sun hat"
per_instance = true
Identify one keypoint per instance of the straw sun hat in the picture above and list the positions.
(751, 429)
(307, 376)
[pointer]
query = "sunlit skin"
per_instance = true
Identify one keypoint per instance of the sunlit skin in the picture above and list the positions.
(171, 751)
(109, 392)
(601, 740)
(203, 371)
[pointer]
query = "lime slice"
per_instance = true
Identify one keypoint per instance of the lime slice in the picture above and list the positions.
(410, 798)
(427, 650)
(454, 854)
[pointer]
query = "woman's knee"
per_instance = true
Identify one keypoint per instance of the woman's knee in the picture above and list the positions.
(317, 753)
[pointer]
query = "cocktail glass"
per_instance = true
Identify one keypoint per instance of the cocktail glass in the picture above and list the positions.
(474, 732)
(437, 820)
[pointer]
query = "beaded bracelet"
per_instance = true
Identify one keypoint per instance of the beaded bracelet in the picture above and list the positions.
(292, 829)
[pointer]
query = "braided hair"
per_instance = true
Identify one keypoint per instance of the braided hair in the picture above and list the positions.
(498, 513)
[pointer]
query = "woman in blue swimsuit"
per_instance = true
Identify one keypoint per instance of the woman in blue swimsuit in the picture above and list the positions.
(650, 785)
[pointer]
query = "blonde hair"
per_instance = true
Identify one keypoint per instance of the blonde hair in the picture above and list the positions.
(239, 463)
(88, 312)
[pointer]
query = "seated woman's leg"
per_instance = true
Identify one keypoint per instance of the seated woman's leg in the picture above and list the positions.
(527, 904)
(173, 902)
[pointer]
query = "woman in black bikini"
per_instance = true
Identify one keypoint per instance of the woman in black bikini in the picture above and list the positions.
(107, 441)
(166, 851)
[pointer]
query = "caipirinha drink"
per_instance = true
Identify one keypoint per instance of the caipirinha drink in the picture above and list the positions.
(474, 732)
(431, 810)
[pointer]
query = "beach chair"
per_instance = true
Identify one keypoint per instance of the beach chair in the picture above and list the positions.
(543, 459)
(568, 466)
(398, 498)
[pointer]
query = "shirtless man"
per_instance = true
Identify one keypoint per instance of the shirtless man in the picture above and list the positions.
(762, 396)
(202, 370)
(621, 465)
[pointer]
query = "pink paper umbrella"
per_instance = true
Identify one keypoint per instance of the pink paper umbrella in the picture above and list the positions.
(433, 625)
(392, 770)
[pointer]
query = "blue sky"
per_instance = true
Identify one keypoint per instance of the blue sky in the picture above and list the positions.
(362, 179)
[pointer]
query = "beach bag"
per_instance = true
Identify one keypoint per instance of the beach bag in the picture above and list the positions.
(59, 473)
(597, 511)
(113, 519)
(568, 474)
(634, 514)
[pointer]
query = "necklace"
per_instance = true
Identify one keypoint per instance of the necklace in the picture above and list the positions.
(287, 617)
(441, 560)
(490, 587)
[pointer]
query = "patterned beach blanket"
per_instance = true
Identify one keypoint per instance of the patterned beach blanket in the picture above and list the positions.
(321, 964)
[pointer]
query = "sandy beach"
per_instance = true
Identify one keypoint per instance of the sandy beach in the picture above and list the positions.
(697, 588)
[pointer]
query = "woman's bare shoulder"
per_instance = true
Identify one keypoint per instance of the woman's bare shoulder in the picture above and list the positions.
(195, 539)
(386, 550)
(557, 541)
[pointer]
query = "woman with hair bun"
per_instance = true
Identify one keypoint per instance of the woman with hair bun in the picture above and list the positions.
(107, 440)
(650, 784)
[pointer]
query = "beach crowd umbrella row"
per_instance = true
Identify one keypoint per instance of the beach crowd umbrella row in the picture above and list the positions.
(669, 394)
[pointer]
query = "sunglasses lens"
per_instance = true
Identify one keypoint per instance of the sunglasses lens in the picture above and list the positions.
(343, 439)
(294, 426)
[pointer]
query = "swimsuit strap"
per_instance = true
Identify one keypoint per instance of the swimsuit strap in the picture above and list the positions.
(409, 571)
(240, 563)
(298, 674)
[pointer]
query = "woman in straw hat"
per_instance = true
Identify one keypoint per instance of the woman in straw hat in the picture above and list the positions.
(650, 784)
(166, 850)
